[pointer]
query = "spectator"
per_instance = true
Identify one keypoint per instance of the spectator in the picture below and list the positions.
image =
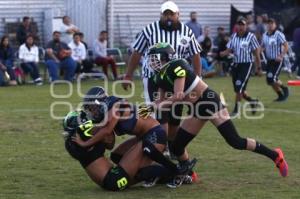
(78, 51)
(58, 56)
(265, 20)
(260, 27)
(6, 60)
(225, 61)
(206, 59)
(67, 30)
(26, 29)
(220, 42)
(250, 23)
(87, 63)
(194, 25)
(82, 40)
(205, 41)
(29, 56)
(220, 36)
(296, 48)
(100, 51)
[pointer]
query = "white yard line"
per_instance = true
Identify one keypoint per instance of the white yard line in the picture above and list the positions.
(281, 111)
(24, 110)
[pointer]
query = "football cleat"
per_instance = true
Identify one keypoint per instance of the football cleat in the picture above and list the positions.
(281, 164)
(175, 182)
(186, 166)
(150, 183)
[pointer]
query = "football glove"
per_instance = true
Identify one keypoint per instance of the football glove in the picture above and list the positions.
(145, 111)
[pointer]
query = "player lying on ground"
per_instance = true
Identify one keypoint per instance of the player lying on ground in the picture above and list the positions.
(133, 167)
(116, 115)
(174, 76)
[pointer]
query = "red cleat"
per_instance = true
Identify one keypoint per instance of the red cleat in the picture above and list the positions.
(195, 178)
(281, 164)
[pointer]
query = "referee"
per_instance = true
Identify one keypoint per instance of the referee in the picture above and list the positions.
(275, 46)
(242, 45)
(170, 30)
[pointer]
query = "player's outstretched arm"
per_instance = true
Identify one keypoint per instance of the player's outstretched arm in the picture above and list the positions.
(197, 64)
(132, 65)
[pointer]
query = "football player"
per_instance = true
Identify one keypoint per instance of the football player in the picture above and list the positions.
(174, 76)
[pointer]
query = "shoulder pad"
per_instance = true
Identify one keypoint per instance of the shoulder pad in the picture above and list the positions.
(179, 62)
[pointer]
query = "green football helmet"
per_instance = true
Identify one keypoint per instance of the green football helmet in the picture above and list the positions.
(73, 120)
(160, 52)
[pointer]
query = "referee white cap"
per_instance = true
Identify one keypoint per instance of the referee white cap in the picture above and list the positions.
(169, 5)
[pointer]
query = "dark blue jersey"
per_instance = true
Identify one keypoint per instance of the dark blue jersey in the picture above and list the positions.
(125, 125)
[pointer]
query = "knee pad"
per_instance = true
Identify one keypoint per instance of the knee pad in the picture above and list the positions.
(180, 142)
(230, 134)
(116, 179)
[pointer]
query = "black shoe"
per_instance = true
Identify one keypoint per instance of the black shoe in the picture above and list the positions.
(280, 99)
(150, 183)
(187, 179)
(186, 166)
(286, 92)
(175, 182)
(38, 82)
(253, 105)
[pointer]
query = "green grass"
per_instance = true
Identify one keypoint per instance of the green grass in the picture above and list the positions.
(35, 165)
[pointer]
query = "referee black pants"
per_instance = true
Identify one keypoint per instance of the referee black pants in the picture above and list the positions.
(273, 71)
(240, 76)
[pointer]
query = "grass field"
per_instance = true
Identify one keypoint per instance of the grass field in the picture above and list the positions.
(35, 165)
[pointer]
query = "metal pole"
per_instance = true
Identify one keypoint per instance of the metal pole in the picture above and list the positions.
(111, 33)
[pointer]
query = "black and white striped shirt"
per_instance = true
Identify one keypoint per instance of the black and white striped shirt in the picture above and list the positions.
(242, 47)
(182, 40)
(272, 43)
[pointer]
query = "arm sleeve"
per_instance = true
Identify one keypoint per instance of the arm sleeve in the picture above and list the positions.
(141, 43)
(37, 58)
(194, 47)
(83, 56)
(254, 43)
(178, 70)
(281, 38)
(21, 52)
(229, 44)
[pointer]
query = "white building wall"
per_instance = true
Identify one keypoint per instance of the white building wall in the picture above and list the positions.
(89, 16)
(14, 10)
(135, 14)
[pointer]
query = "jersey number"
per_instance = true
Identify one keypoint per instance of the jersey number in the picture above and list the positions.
(180, 72)
(211, 95)
(122, 183)
(86, 128)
